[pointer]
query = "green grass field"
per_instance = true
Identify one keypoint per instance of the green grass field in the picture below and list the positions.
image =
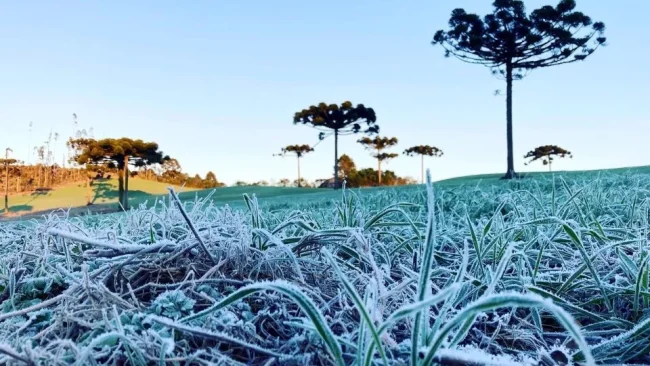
(34, 204)
(105, 196)
(74, 195)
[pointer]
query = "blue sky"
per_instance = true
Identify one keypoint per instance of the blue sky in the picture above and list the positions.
(216, 83)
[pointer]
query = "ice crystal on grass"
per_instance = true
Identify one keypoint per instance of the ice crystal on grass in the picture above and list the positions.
(173, 304)
(534, 272)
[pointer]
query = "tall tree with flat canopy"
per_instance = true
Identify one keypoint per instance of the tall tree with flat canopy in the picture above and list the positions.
(378, 145)
(299, 151)
(547, 154)
(512, 43)
(423, 150)
(332, 119)
(119, 153)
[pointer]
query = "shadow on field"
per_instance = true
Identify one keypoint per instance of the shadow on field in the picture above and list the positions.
(41, 192)
(103, 191)
(20, 208)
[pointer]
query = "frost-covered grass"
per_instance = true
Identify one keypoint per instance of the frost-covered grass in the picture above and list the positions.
(536, 272)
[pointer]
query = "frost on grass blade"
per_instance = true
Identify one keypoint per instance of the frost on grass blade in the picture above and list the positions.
(138, 288)
(294, 293)
(507, 300)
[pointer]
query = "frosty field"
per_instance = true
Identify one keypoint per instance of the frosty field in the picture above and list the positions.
(543, 271)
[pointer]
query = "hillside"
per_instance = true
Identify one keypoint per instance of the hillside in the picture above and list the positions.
(35, 204)
(105, 194)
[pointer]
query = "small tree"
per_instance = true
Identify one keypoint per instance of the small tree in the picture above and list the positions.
(120, 153)
(211, 181)
(298, 151)
(423, 150)
(546, 154)
(284, 182)
(512, 43)
(302, 182)
(347, 165)
(338, 120)
(378, 145)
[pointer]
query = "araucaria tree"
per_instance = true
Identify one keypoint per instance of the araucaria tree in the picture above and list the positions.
(378, 145)
(423, 150)
(337, 120)
(546, 154)
(512, 43)
(298, 151)
(118, 153)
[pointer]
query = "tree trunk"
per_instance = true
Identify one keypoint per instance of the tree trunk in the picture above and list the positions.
(422, 167)
(89, 191)
(379, 171)
(510, 173)
(120, 184)
(6, 184)
(299, 182)
(126, 183)
(336, 159)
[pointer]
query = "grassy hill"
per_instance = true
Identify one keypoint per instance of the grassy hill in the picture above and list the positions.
(34, 204)
(105, 194)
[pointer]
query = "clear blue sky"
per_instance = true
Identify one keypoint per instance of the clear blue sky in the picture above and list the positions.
(216, 83)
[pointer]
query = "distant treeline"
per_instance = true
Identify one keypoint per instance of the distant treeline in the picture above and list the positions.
(29, 178)
(366, 177)
(170, 172)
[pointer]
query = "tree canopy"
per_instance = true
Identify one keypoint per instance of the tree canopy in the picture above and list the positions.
(424, 150)
(347, 165)
(117, 151)
(345, 119)
(211, 181)
(8, 161)
(546, 154)
(298, 150)
(210, 177)
(549, 36)
(378, 143)
(386, 156)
